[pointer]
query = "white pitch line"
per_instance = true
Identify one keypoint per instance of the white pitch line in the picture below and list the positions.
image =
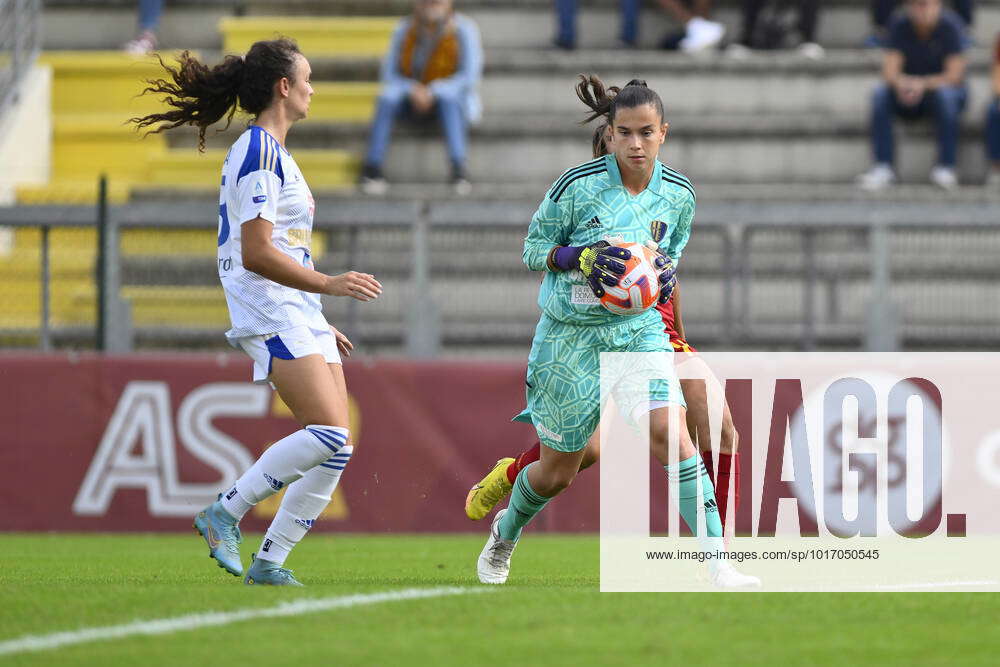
(937, 584)
(162, 626)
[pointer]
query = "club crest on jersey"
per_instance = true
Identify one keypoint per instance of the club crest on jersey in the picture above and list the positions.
(657, 229)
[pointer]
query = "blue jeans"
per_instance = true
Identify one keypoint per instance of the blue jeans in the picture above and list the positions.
(944, 105)
(993, 130)
(566, 17)
(391, 106)
(149, 14)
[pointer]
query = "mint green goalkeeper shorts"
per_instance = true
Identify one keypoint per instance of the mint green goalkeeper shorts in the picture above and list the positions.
(564, 384)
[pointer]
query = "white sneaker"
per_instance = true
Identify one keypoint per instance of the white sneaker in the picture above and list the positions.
(724, 575)
(701, 34)
(375, 187)
(944, 177)
(878, 177)
(494, 560)
(811, 50)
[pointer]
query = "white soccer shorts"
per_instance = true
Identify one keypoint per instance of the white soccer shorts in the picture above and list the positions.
(294, 343)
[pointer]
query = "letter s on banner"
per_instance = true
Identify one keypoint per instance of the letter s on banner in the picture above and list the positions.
(220, 399)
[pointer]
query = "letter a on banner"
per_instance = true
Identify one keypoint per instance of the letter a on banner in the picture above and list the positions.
(140, 424)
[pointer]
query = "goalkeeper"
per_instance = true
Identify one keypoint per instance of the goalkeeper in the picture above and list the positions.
(626, 196)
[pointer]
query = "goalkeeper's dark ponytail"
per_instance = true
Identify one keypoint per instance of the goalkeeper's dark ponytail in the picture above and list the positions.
(604, 102)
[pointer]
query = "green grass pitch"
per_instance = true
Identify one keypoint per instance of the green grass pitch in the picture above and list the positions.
(550, 613)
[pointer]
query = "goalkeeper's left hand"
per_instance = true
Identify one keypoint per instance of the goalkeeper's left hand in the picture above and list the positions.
(667, 272)
(667, 276)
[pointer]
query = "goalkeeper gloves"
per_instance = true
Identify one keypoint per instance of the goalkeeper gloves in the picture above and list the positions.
(666, 268)
(667, 277)
(599, 263)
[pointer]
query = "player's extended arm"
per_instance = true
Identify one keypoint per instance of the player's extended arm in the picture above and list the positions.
(261, 257)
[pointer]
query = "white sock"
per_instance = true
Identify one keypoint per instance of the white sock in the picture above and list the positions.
(716, 546)
(282, 463)
(304, 501)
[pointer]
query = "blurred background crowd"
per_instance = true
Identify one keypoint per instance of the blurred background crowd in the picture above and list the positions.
(842, 152)
(434, 65)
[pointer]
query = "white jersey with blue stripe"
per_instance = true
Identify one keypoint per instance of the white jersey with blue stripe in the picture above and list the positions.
(261, 179)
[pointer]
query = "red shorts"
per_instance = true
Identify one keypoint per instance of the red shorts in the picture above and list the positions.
(667, 313)
(680, 345)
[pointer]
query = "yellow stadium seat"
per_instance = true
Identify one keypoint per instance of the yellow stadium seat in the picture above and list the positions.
(316, 36)
(103, 81)
(70, 192)
(343, 101)
(177, 306)
(202, 171)
(94, 93)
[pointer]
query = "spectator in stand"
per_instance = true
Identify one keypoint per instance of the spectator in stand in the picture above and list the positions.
(882, 11)
(923, 73)
(699, 34)
(993, 123)
(771, 32)
(433, 67)
(149, 19)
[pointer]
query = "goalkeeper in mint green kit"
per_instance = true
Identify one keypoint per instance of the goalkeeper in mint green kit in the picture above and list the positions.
(627, 196)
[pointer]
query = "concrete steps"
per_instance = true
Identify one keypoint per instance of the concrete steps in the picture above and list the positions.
(534, 149)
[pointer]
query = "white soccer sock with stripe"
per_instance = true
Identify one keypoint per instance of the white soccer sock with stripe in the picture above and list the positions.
(282, 463)
(304, 501)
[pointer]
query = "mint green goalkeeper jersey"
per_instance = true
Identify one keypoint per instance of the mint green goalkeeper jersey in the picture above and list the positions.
(587, 204)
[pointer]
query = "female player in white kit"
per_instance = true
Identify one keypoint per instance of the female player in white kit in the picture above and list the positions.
(272, 290)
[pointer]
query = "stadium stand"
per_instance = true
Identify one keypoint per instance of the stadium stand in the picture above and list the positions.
(775, 137)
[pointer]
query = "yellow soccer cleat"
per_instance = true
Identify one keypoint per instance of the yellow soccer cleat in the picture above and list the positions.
(490, 490)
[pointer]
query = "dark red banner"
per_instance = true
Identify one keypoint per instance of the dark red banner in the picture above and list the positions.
(143, 442)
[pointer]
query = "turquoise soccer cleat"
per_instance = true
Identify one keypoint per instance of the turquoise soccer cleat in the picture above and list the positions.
(222, 534)
(266, 573)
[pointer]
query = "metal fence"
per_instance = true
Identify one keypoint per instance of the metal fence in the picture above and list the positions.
(20, 40)
(819, 276)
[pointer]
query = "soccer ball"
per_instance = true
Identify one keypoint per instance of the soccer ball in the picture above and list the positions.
(638, 288)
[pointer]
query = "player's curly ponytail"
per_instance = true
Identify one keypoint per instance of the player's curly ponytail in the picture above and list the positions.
(604, 101)
(201, 96)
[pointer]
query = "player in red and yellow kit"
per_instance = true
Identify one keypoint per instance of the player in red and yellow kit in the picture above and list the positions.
(495, 486)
